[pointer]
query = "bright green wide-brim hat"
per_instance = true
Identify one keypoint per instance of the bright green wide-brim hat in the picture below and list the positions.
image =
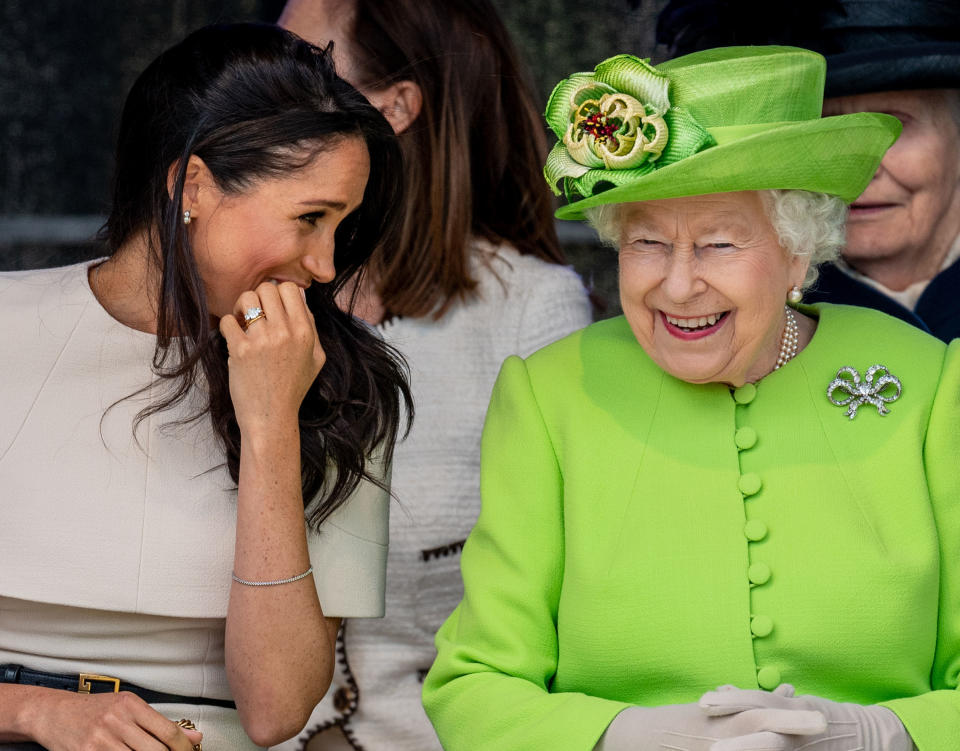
(735, 118)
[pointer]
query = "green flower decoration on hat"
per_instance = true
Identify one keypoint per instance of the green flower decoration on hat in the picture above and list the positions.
(715, 121)
(615, 125)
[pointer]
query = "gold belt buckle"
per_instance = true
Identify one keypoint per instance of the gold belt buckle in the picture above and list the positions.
(84, 686)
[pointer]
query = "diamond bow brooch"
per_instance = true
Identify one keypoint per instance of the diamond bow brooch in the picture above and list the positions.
(877, 387)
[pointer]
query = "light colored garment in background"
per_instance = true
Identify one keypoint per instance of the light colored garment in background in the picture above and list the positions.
(522, 304)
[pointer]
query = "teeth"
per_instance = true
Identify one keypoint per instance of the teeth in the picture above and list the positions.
(695, 323)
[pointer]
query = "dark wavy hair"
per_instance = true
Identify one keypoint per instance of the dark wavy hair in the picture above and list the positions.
(256, 102)
(473, 156)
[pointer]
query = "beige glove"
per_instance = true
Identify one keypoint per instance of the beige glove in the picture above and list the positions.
(849, 727)
(686, 727)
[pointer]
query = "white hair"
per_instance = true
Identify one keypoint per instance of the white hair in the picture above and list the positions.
(811, 225)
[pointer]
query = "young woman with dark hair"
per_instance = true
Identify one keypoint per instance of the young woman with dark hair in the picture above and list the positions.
(196, 419)
(473, 274)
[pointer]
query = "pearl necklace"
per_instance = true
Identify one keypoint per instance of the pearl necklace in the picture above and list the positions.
(790, 342)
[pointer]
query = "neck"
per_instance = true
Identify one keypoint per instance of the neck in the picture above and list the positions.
(126, 286)
(804, 333)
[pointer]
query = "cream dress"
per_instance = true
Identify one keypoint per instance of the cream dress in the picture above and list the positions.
(116, 549)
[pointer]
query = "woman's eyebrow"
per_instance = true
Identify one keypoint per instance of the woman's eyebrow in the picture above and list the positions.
(336, 205)
(724, 224)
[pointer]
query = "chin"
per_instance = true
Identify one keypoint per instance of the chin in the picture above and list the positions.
(695, 378)
(691, 374)
(870, 243)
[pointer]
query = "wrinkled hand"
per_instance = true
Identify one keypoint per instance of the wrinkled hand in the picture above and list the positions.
(849, 727)
(686, 727)
(274, 360)
(66, 721)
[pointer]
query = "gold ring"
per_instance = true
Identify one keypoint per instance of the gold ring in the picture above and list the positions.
(252, 315)
(188, 725)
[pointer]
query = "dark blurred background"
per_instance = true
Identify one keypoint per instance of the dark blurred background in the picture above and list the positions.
(66, 65)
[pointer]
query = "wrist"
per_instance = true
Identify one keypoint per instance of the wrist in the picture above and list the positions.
(31, 713)
(883, 729)
(271, 436)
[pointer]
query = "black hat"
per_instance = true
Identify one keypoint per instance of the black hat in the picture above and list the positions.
(870, 45)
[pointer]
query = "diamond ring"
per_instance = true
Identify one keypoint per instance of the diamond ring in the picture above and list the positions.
(251, 315)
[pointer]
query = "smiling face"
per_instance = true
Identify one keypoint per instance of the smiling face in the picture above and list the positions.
(278, 229)
(703, 281)
(903, 224)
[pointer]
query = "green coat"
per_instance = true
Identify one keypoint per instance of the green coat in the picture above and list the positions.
(643, 540)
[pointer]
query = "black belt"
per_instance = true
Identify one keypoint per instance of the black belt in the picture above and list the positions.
(87, 683)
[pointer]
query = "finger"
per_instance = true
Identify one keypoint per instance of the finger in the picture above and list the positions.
(301, 319)
(188, 740)
(161, 731)
(140, 740)
(677, 740)
(231, 329)
(754, 742)
(784, 689)
(785, 721)
(294, 300)
(295, 304)
(193, 736)
(179, 739)
(246, 303)
(720, 703)
(270, 301)
(727, 702)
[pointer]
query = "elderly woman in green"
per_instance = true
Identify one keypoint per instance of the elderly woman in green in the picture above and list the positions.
(725, 520)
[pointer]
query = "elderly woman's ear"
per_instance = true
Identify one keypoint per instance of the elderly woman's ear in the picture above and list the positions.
(800, 267)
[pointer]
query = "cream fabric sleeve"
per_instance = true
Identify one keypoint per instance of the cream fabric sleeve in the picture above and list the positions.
(349, 552)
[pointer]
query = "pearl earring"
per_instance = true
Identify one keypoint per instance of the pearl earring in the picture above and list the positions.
(795, 295)
(186, 216)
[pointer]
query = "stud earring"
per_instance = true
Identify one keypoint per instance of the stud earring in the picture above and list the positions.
(186, 216)
(795, 295)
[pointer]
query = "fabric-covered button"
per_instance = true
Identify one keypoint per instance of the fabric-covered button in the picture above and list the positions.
(755, 530)
(761, 625)
(749, 483)
(745, 437)
(768, 677)
(758, 573)
(745, 394)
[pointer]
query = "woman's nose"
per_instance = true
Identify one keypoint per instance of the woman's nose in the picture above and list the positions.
(681, 280)
(318, 261)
